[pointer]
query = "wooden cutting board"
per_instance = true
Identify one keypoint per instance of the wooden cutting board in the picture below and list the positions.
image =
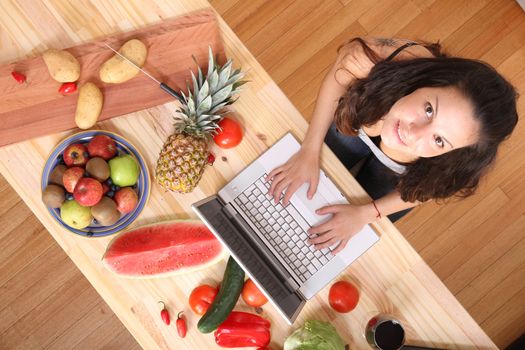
(36, 108)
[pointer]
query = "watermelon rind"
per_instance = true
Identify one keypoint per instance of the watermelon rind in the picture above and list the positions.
(183, 270)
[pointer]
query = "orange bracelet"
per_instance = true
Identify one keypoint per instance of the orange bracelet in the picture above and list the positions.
(378, 216)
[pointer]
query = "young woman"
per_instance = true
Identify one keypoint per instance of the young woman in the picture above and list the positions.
(411, 123)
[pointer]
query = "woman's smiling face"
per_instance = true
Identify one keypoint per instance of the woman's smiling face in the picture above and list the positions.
(430, 122)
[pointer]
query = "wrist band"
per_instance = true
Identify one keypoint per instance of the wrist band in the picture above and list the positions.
(378, 216)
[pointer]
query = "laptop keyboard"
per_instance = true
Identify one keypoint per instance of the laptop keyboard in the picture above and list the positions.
(283, 229)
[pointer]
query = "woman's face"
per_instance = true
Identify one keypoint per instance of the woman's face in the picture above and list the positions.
(429, 122)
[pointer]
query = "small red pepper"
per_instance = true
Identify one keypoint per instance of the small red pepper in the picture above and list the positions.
(67, 88)
(242, 329)
(164, 314)
(211, 159)
(181, 325)
(19, 77)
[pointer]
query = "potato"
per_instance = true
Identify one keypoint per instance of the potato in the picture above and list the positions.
(117, 70)
(89, 105)
(62, 65)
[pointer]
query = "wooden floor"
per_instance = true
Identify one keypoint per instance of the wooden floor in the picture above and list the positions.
(476, 246)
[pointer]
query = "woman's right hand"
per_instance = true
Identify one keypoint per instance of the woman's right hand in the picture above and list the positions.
(302, 167)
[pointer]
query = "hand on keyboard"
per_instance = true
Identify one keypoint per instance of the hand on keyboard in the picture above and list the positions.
(283, 230)
(302, 167)
(346, 221)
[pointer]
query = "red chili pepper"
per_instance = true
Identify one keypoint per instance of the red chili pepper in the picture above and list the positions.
(242, 329)
(67, 88)
(181, 325)
(164, 314)
(19, 77)
(211, 159)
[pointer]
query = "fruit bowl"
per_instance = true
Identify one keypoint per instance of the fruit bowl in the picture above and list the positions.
(141, 187)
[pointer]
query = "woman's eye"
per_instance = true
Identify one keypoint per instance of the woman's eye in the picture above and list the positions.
(439, 141)
(429, 111)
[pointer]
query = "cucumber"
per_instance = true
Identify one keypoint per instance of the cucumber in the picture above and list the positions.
(225, 300)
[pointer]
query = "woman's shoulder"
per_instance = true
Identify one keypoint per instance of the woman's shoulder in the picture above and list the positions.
(357, 57)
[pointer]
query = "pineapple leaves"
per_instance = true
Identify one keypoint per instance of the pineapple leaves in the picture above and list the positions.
(201, 78)
(222, 95)
(235, 77)
(202, 93)
(205, 101)
(216, 109)
(224, 73)
(213, 80)
(195, 85)
(191, 106)
(204, 106)
(211, 63)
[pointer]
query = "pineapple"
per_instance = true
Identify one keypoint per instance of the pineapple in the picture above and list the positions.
(184, 155)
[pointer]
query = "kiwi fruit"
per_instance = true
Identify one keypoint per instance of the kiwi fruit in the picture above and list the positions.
(56, 175)
(53, 196)
(105, 211)
(98, 169)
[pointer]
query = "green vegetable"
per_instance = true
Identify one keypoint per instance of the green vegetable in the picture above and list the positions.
(225, 300)
(314, 335)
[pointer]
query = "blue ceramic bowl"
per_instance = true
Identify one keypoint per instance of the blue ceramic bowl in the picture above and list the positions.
(142, 187)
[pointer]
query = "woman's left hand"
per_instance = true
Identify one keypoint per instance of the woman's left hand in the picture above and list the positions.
(346, 221)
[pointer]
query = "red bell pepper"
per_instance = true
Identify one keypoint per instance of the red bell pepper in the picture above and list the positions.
(242, 329)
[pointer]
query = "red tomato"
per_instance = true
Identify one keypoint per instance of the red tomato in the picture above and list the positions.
(229, 135)
(252, 295)
(343, 296)
(202, 297)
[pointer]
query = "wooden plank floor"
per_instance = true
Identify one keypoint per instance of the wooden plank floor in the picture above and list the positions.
(476, 246)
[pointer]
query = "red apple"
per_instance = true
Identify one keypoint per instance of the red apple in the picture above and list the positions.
(71, 177)
(102, 146)
(76, 154)
(126, 199)
(88, 192)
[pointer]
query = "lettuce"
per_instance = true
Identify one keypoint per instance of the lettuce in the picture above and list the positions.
(314, 335)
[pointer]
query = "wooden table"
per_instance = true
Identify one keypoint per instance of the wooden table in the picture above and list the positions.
(391, 276)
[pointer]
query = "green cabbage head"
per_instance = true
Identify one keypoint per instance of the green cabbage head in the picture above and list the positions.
(314, 335)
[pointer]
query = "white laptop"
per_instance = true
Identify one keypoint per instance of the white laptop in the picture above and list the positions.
(269, 240)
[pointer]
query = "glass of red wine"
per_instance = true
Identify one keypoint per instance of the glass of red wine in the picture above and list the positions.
(385, 332)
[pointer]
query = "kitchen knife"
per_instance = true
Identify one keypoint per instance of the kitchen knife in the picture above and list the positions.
(162, 85)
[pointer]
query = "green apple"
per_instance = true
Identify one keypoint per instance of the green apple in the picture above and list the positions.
(124, 170)
(75, 215)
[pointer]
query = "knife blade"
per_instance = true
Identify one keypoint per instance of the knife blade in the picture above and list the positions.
(162, 85)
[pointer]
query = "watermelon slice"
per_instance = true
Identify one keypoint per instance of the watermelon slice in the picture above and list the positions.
(163, 249)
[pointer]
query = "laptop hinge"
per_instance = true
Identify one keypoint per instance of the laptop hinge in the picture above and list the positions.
(288, 280)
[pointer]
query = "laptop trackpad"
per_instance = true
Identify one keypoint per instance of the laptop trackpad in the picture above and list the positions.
(307, 207)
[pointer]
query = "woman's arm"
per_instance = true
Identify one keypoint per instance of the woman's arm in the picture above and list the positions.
(348, 219)
(392, 203)
(352, 62)
(303, 167)
(324, 110)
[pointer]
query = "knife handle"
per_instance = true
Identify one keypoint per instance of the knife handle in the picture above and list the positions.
(172, 92)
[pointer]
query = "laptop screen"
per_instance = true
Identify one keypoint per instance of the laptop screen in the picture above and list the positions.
(248, 255)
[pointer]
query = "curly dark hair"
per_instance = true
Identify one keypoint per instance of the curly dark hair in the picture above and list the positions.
(455, 173)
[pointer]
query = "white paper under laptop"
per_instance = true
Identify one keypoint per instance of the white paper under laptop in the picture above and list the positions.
(327, 266)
